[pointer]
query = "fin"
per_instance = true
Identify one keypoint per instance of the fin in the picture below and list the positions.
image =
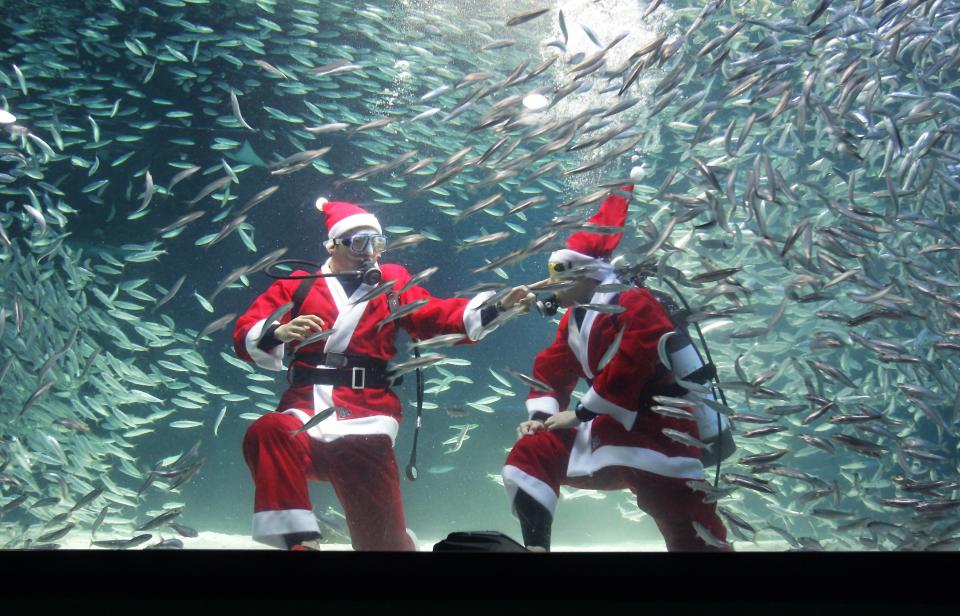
(246, 154)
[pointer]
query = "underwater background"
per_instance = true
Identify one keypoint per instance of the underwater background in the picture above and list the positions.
(801, 191)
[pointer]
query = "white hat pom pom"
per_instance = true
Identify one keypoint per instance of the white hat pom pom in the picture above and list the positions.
(321, 202)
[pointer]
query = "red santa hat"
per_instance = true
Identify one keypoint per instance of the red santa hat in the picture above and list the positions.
(592, 251)
(342, 216)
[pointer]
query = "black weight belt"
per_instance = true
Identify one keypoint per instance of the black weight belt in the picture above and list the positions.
(354, 371)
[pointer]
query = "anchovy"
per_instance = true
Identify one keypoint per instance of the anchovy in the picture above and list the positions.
(485, 240)
(516, 20)
(99, 521)
(36, 395)
(261, 196)
(686, 439)
(314, 337)
(277, 314)
(167, 544)
(377, 291)
(707, 537)
(216, 325)
(123, 544)
(87, 498)
(227, 229)
(56, 534)
(338, 66)
(148, 191)
(328, 128)
(181, 221)
(763, 458)
(171, 293)
(439, 341)
(210, 188)
(748, 482)
(402, 311)
(603, 308)
(184, 531)
(161, 519)
(419, 277)
(402, 368)
(611, 350)
(316, 419)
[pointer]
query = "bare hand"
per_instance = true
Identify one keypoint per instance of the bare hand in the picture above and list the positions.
(518, 296)
(529, 428)
(299, 328)
(564, 419)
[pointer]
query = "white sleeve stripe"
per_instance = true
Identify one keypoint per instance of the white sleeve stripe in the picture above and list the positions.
(543, 404)
(272, 359)
(597, 404)
(472, 323)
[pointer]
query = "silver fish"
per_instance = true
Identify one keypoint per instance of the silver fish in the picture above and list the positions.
(317, 418)
(235, 107)
(216, 325)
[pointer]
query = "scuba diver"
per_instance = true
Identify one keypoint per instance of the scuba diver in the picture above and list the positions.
(338, 419)
(621, 339)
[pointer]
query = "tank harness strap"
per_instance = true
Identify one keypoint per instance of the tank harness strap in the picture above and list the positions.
(300, 295)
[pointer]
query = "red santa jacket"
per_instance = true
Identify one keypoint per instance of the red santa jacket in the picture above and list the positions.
(360, 411)
(626, 432)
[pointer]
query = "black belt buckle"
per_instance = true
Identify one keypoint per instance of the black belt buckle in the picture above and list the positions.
(336, 360)
(362, 372)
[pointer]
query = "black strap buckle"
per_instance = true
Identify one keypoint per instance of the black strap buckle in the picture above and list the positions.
(362, 372)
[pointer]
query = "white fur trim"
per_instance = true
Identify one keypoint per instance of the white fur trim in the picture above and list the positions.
(605, 298)
(413, 537)
(332, 428)
(269, 527)
(352, 222)
(578, 339)
(595, 268)
(471, 317)
(584, 461)
(347, 319)
(543, 404)
(515, 479)
(598, 404)
(270, 360)
(578, 336)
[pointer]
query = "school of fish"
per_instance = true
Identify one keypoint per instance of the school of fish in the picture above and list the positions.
(800, 188)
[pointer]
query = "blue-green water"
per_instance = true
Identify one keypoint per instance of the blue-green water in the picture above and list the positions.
(807, 151)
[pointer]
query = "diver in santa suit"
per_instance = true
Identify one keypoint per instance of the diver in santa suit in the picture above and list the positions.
(340, 383)
(612, 440)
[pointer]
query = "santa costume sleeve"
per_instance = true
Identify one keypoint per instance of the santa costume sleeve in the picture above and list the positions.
(444, 316)
(617, 389)
(557, 367)
(249, 341)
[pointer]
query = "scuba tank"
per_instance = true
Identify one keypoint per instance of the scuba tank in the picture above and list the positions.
(686, 365)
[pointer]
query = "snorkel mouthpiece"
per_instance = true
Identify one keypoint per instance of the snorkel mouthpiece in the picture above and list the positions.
(548, 306)
(370, 273)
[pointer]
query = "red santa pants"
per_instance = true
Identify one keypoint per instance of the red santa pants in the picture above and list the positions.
(672, 504)
(361, 468)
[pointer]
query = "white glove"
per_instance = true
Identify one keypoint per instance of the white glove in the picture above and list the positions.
(638, 173)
